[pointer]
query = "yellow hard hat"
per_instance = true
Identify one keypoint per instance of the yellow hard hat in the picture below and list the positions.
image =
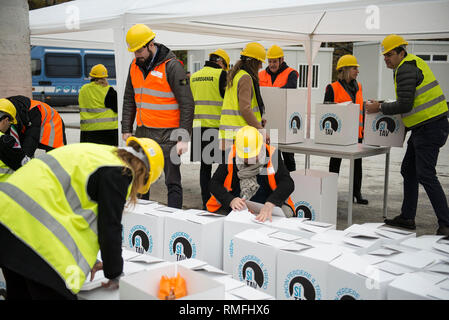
(392, 41)
(7, 107)
(348, 60)
(248, 142)
(98, 71)
(275, 52)
(221, 53)
(254, 50)
(138, 36)
(155, 159)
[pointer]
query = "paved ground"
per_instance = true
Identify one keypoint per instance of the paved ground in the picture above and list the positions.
(372, 186)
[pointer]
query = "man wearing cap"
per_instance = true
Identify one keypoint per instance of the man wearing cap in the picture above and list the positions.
(422, 105)
(157, 95)
(208, 87)
(279, 74)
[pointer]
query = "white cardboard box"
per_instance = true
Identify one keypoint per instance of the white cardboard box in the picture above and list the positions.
(285, 111)
(254, 260)
(383, 130)
(415, 286)
(302, 271)
(381, 231)
(315, 195)
(354, 277)
(143, 228)
(337, 123)
(145, 285)
(194, 234)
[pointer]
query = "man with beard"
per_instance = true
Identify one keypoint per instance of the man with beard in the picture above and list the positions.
(157, 95)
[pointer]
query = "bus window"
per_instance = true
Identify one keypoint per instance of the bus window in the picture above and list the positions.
(62, 65)
(105, 59)
(35, 67)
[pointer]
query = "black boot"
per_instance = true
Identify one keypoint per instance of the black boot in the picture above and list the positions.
(358, 198)
(398, 221)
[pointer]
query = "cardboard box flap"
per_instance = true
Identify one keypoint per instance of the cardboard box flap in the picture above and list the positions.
(350, 262)
(324, 253)
(423, 242)
(192, 263)
(438, 294)
(389, 235)
(441, 247)
(392, 268)
(307, 242)
(416, 260)
(433, 277)
(252, 235)
(201, 219)
(444, 284)
(329, 236)
(127, 254)
(360, 242)
(284, 236)
(403, 232)
(440, 267)
(318, 224)
(314, 228)
(249, 293)
(272, 242)
(363, 236)
(210, 214)
(146, 202)
(145, 258)
(167, 209)
(230, 283)
(384, 252)
(296, 247)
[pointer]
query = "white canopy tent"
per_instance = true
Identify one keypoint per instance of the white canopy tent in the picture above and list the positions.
(191, 24)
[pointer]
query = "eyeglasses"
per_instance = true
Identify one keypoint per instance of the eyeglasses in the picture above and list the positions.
(390, 54)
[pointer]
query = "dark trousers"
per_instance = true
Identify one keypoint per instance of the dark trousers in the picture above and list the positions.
(418, 167)
(21, 288)
(334, 166)
(289, 161)
(108, 137)
(204, 148)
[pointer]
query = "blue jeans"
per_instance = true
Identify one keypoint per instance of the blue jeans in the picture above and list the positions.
(418, 166)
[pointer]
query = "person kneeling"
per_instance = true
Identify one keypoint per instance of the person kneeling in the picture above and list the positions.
(250, 174)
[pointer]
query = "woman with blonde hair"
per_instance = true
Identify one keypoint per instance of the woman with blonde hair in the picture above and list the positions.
(347, 88)
(242, 104)
(98, 109)
(60, 209)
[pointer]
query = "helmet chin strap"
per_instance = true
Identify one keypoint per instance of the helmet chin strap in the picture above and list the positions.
(139, 154)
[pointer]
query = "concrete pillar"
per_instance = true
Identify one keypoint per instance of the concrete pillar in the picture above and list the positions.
(15, 61)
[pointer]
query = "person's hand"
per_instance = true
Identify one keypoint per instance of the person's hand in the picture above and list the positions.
(372, 106)
(181, 147)
(238, 204)
(111, 284)
(125, 136)
(97, 266)
(265, 212)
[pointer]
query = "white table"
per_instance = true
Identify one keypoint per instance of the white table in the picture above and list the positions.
(351, 152)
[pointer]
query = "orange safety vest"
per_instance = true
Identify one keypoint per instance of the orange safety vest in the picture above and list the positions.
(340, 95)
(281, 79)
(52, 132)
(213, 204)
(156, 104)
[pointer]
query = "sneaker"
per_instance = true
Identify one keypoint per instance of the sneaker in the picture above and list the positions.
(443, 231)
(398, 221)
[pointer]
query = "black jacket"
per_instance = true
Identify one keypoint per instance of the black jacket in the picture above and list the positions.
(107, 186)
(285, 184)
(11, 156)
(179, 84)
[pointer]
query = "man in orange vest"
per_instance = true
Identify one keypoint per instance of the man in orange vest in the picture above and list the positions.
(39, 126)
(347, 88)
(279, 74)
(158, 97)
(253, 172)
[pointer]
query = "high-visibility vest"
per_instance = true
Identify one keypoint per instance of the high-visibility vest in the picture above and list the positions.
(5, 171)
(52, 132)
(156, 104)
(340, 95)
(54, 216)
(213, 204)
(93, 113)
(280, 81)
(231, 119)
(429, 98)
(205, 86)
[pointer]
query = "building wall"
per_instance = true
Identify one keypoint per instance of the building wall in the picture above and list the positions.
(293, 57)
(379, 83)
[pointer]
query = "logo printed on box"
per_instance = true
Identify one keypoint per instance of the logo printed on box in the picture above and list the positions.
(304, 209)
(295, 122)
(139, 238)
(300, 285)
(347, 294)
(181, 245)
(330, 123)
(253, 272)
(385, 125)
(231, 248)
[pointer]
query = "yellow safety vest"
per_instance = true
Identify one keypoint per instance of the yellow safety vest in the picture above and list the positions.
(54, 216)
(429, 98)
(93, 113)
(231, 119)
(205, 86)
(5, 171)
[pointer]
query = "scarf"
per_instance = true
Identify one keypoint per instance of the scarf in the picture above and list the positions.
(248, 179)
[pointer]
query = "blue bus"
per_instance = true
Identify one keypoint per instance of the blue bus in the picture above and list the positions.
(59, 73)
